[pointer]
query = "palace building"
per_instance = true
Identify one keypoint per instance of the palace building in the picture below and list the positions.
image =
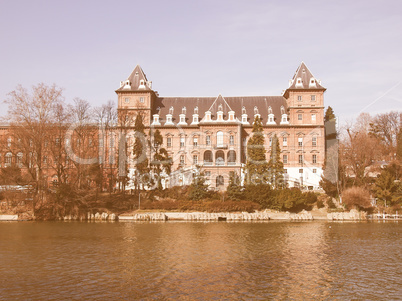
(212, 132)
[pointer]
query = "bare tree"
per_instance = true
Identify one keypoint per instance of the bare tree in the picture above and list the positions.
(106, 116)
(386, 127)
(31, 115)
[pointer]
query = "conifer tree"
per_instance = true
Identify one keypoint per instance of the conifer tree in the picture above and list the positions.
(198, 187)
(399, 146)
(329, 114)
(161, 162)
(275, 165)
(140, 151)
(257, 165)
(234, 190)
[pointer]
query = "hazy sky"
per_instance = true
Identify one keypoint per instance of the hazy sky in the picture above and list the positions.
(203, 48)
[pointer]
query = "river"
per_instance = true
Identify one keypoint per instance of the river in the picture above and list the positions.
(204, 261)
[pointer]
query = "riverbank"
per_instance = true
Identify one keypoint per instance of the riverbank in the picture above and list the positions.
(317, 214)
(266, 215)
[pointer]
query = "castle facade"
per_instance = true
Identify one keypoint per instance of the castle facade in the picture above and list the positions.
(212, 132)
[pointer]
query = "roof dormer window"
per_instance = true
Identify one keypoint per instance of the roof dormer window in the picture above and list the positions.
(220, 107)
(196, 110)
(171, 110)
(282, 110)
(184, 110)
(243, 110)
(269, 110)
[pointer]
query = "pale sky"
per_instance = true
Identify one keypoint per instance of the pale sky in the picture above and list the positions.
(203, 48)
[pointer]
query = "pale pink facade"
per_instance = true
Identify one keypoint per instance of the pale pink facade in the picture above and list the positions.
(212, 132)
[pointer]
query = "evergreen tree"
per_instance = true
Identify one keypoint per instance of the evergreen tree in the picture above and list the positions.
(329, 114)
(235, 191)
(198, 187)
(387, 187)
(275, 165)
(399, 146)
(161, 162)
(140, 151)
(257, 165)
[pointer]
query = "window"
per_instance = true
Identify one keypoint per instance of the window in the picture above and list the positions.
(141, 99)
(285, 159)
(301, 159)
(314, 158)
(231, 140)
(57, 141)
(244, 119)
(285, 171)
(169, 142)
(270, 141)
(301, 171)
(195, 141)
(285, 141)
(220, 158)
(312, 97)
(207, 173)
(9, 141)
(195, 119)
(220, 181)
(126, 100)
(196, 110)
(219, 138)
(8, 159)
(313, 117)
(314, 170)
(314, 141)
(208, 158)
(195, 159)
(208, 140)
(299, 98)
(44, 159)
(300, 139)
(19, 159)
(182, 160)
(182, 141)
(182, 119)
(300, 117)
(231, 157)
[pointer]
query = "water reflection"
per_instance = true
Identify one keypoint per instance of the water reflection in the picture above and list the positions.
(177, 260)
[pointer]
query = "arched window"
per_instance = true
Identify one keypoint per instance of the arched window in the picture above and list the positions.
(243, 110)
(220, 158)
(171, 111)
(8, 159)
(231, 157)
(196, 110)
(220, 181)
(19, 159)
(184, 110)
(220, 107)
(208, 159)
(219, 138)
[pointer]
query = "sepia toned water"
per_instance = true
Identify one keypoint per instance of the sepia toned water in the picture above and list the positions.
(205, 261)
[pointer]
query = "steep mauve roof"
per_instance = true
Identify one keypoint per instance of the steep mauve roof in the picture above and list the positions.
(213, 104)
(135, 77)
(305, 75)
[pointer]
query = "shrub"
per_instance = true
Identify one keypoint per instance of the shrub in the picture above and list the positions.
(357, 197)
